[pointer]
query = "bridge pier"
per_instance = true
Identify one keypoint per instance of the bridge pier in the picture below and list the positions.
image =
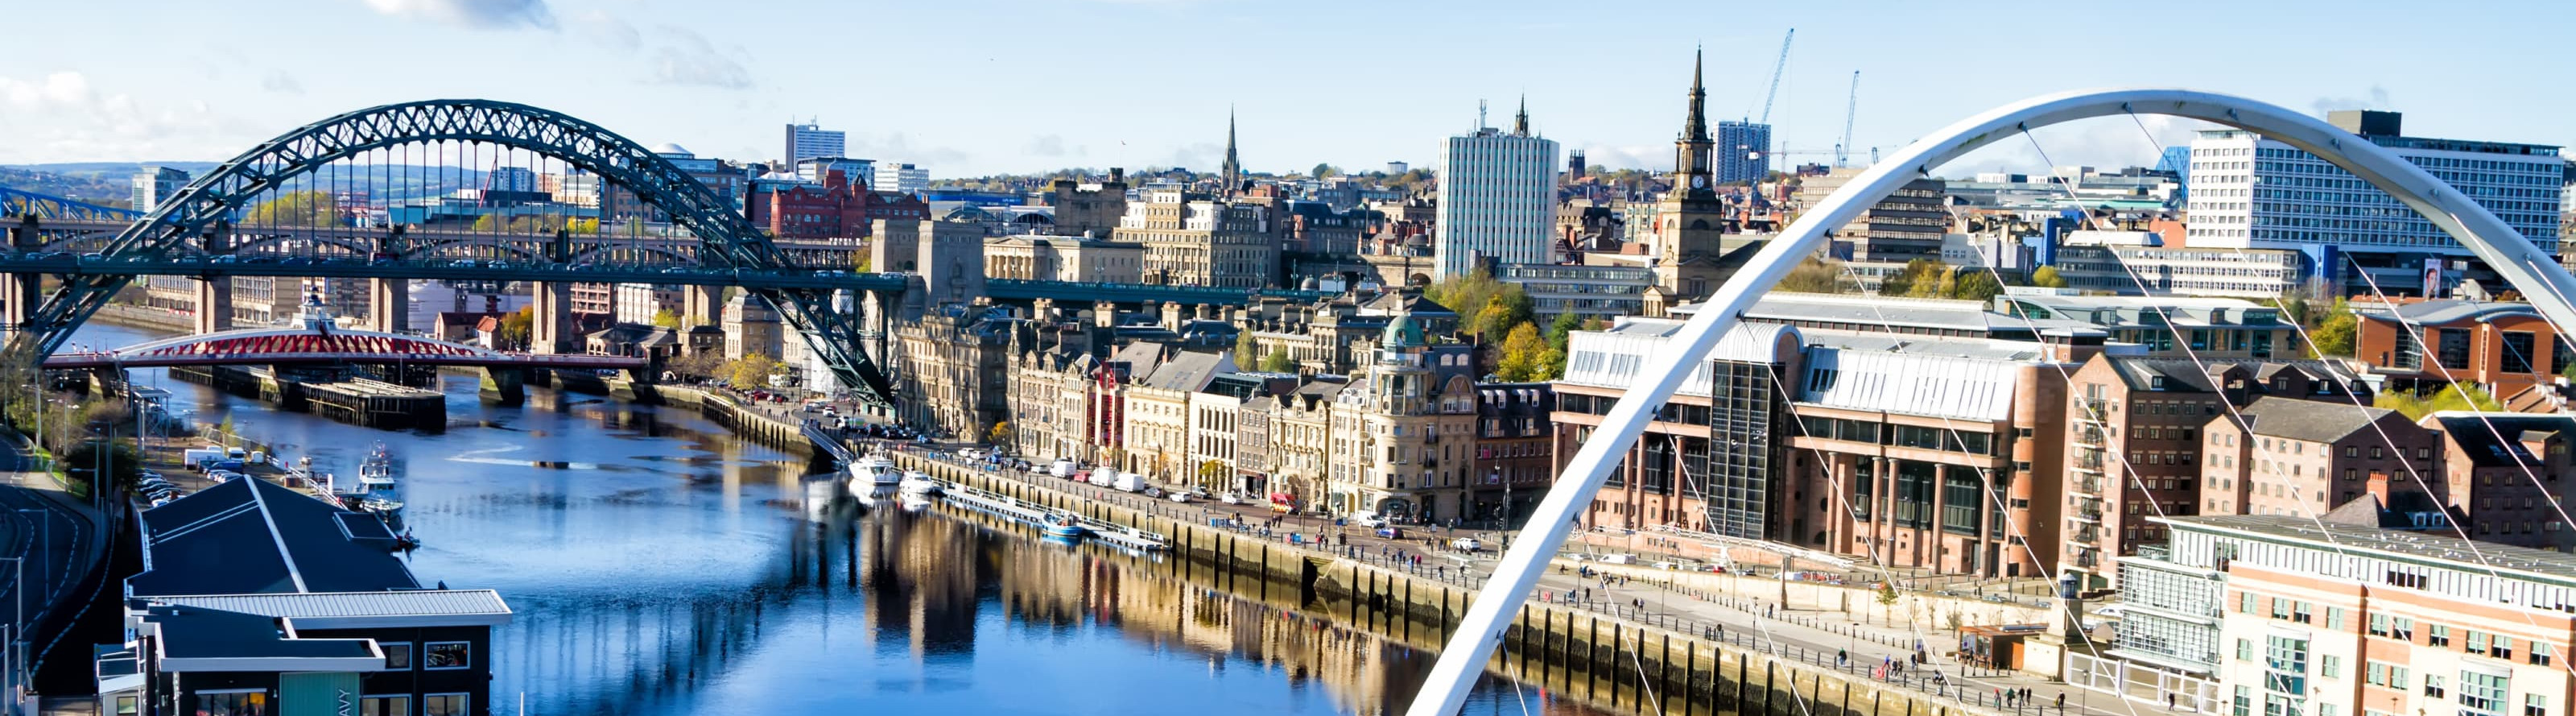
(389, 305)
(21, 292)
(214, 305)
(552, 331)
(701, 306)
(505, 387)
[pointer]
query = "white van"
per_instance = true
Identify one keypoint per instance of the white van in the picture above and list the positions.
(1130, 482)
(1103, 476)
(196, 458)
(1062, 468)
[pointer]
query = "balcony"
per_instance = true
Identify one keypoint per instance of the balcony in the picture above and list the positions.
(2091, 485)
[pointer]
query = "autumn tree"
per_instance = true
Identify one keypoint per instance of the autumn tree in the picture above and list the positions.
(2046, 277)
(310, 207)
(1813, 275)
(2334, 335)
(667, 318)
(753, 370)
(1524, 356)
(517, 327)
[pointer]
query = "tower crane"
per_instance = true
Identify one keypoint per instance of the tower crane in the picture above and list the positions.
(1776, 67)
(1851, 107)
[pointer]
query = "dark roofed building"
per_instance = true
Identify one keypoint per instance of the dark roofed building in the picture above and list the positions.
(2303, 458)
(2505, 473)
(257, 599)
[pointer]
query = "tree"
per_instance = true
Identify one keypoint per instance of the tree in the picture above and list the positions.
(2046, 277)
(2334, 335)
(1975, 285)
(517, 327)
(752, 370)
(1210, 472)
(1322, 170)
(1560, 332)
(1247, 351)
(582, 226)
(1000, 434)
(310, 207)
(697, 364)
(487, 223)
(1813, 275)
(1470, 295)
(1278, 362)
(2455, 397)
(1524, 355)
(667, 318)
(1920, 278)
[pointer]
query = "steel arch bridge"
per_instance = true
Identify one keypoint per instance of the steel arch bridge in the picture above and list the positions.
(20, 203)
(199, 213)
(2534, 272)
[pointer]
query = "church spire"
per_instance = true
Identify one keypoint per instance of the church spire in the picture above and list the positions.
(1233, 168)
(1520, 121)
(1696, 126)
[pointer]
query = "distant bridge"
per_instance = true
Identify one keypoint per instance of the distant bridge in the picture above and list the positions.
(303, 345)
(14, 202)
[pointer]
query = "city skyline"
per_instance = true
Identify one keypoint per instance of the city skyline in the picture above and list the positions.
(712, 81)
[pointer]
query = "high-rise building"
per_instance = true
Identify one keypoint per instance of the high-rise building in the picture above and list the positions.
(2248, 191)
(513, 179)
(1497, 199)
(807, 141)
(153, 185)
(1744, 152)
(906, 178)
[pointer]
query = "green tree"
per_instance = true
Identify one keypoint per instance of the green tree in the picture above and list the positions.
(1813, 275)
(518, 327)
(1560, 332)
(1975, 285)
(1247, 351)
(1278, 362)
(1211, 472)
(1920, 278)
(2046, 277)
(1322, 170)
(667, 318)
(310, 207)
(488, 223)
(1470, 295)
(2334, 335)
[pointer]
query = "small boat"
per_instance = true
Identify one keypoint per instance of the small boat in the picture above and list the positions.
(918, 484)
(1062, 526)
(377, 473)
(380, 505)
(873, 477)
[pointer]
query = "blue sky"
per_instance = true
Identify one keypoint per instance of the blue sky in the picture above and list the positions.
(979, 86)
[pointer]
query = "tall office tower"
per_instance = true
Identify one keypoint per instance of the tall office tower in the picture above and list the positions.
(1497, 199)
(807, 141)
(153, 185)
(2248, 191)
(1744, 152)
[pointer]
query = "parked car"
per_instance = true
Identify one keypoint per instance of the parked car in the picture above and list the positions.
(1367, 519)
(1230, 498)
(1180, 496)
(1466, 544)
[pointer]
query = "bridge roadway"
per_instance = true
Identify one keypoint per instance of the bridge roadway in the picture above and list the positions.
(254, 239)
(200, 266)
(567, 361)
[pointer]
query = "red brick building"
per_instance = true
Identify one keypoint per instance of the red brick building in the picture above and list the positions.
(837, 209)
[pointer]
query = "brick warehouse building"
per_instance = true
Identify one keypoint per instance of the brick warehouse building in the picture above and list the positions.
(836, 209)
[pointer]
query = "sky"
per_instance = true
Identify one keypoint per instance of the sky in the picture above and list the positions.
(975, 87)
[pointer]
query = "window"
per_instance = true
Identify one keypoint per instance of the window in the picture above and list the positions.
(2334, 618)
(2299, 612)
(2403, 628)
(2244, 650)
(2540, 653)
(384, 706)
(2503, 647)
(234, 703)
(2535, 705)
(2477, 642)
(445, 655)
(2437, 635)
(2518, 352)
(2481, 692)
(2379, 625)
(397, 655)
(2433, 685)
(443, 705)
(126, 705)
(2330, 666)
(2244, 702)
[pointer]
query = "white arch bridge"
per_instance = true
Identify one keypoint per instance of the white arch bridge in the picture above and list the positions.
(2535, 273)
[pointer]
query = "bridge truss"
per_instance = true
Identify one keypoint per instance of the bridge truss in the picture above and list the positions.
(20, 203)
(199, 218)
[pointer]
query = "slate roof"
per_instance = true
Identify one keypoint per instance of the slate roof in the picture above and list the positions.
(1408, 302)
(256, 537)
(2495, 439)
(346, 610)
(2434, 313)
(199, 633)
(2314, 421)
(1189, 371)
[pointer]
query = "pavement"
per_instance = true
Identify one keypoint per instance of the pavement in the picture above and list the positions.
(1739, 614)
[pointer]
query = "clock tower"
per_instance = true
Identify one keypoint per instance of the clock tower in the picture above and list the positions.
(1690, 223)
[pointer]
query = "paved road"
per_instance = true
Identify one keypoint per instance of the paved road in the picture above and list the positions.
(53, 536)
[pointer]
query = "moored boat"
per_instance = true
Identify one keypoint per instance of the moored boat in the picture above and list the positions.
(872, 477)
(918, 484)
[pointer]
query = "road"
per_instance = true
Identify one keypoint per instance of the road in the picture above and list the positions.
(50, 535)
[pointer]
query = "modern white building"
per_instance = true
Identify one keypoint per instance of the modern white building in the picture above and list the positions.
(906, 178)
(1497, 199)
(807, 141)
(152, 185)
(1743, 152)
(813, 170)
(2252, 192)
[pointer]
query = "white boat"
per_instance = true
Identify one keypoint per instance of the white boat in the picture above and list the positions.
(918, 484)
(377, 473)
(873, 477)
(379, 505)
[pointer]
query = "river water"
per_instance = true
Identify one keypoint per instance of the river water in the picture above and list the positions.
(659, 566)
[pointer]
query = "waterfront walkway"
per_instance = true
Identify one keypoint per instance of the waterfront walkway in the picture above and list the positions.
(1831, 640)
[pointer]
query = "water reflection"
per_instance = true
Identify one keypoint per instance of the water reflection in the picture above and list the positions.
(658, 566)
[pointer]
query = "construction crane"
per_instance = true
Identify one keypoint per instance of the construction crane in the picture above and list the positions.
(1851, 107)
(1776, 68)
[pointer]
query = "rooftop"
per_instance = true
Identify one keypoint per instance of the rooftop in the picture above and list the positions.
(197, 639)
(2443, 312)
(2339, 537)
(2315, 421)
(257, 537)
(355, 610)
(2496, 439)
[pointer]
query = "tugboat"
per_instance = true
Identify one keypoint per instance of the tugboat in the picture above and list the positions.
(377, 473)
(872, 478)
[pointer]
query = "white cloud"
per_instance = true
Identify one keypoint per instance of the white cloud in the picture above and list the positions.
(1649, 157)
(894, 147)
(472, 14)
(609, 30)
(1050, 145)
(689, 59)
(61, 117)
(60, 89)
(280, 82)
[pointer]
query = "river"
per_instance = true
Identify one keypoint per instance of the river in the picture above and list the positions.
(659, 566)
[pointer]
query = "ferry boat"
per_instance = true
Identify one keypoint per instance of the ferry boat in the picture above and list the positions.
(873, 477)
(918, 484)
(377, 473)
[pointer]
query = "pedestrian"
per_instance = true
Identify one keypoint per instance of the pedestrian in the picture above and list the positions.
(1842, 658)
(2169, 701)
(2061, 701)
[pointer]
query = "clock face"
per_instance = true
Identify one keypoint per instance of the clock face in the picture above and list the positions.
(1699, 182)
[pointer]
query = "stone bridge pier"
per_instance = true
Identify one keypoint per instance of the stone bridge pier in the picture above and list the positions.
(552, 331)
(389, 305)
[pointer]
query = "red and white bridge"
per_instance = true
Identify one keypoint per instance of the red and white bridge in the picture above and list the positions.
(324, 345)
